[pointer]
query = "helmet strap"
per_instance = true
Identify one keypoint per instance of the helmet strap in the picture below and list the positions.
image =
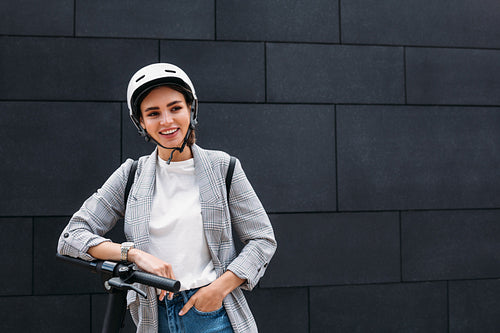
(180, 149)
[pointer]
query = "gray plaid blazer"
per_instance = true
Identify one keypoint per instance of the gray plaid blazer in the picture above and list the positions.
(243, 213)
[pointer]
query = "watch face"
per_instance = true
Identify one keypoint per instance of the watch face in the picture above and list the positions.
(124, 250)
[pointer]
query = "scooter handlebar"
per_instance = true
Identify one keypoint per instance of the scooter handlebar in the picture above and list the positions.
(124, 271)
(154, 281)
(92, 265)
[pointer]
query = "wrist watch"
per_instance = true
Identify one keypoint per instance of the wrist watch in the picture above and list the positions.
(125, 247)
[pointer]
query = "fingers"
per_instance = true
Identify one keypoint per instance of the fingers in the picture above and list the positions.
(187, 306)
(202, 301)
(168, 294)
(163, 293)
(170, 274)
(154, 265)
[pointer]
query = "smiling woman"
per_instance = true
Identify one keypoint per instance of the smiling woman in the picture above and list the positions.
(165, 116)
(162, 75)
(179, 218)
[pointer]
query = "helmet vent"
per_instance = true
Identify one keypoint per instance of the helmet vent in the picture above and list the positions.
(142, 77)
(169, 71)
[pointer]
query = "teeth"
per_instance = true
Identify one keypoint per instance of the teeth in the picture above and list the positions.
(169, 131)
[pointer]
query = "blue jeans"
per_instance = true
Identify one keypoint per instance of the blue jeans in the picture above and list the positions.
(193, 321)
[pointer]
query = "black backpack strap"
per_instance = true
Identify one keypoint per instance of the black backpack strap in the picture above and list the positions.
(130, 181)
(229, 176)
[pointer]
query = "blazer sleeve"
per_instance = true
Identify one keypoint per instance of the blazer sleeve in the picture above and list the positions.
(96, 217)
(252, 225)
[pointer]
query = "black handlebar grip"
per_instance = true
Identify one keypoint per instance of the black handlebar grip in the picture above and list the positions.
(77, 261)
(154, 281)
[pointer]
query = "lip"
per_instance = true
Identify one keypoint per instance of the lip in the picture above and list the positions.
(171, 132)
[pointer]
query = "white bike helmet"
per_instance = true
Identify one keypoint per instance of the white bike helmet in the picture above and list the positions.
(152, 76)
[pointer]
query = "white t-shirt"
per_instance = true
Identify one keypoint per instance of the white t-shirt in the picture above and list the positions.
(176, 226)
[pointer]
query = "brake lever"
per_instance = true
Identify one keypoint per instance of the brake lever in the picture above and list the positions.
(118, 283)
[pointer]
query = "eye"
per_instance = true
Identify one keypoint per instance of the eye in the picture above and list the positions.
(152, 114)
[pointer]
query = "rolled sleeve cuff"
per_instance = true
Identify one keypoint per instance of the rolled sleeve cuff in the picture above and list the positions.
(250, 273)
(70, 245)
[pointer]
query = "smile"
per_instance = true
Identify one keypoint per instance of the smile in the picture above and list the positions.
(169, 131)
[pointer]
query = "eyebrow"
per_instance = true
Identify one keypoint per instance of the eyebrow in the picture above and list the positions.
(152, 108)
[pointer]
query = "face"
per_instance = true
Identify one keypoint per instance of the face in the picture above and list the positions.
(166, 116)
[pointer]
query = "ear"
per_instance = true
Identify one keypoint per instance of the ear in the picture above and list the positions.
(141, 121)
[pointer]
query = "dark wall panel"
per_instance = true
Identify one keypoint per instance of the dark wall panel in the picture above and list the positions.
(453, 76)
(99, 306)
(403, 157)
(421, 22)
(133, 145)
(448, 245)
(308, 73)
(45, 314)
(147, 19)
(52, 276)
(418, 307)
(71, 69)
(474, 306)
(280, 310)
(33, 17)
(274, 20)
(220, 71)
(326, 249)
(59, 154)
(274, 144)
(17, 269)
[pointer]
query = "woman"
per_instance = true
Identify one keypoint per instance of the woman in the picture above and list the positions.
(178, 217)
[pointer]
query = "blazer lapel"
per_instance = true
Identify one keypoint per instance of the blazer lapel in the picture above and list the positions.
(207, 179)
(210, 200)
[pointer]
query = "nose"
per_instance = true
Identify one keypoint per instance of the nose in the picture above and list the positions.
(166, 117)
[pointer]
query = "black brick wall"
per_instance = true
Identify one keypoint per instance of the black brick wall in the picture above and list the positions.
(370, 130)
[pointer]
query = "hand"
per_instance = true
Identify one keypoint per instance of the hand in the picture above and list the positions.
(210, 298)
(207, 299)
(153, 265)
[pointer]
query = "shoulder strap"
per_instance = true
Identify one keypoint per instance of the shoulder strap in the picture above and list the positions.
(229, 176)
(130, 181)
